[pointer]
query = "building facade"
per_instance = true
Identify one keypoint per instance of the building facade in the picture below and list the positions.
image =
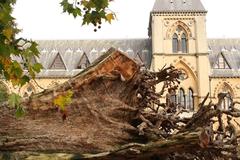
(177, 36)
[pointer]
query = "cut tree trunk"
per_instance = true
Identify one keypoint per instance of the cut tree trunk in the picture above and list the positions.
(98, 118)
(107, 118)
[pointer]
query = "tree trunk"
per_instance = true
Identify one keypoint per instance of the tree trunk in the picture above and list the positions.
(114, 114)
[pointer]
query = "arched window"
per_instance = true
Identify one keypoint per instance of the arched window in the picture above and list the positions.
(175, 43)
(226, 103)
(181, 99)
(184, 43)
(190, 104)
(179, 41)
(3, 93)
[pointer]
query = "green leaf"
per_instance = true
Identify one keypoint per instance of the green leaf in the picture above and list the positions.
(14, 100)
(24, 80)
(16, 69)
(8, 33)
(20, 112)
(37, 67)
(34, 49)
(4, 50)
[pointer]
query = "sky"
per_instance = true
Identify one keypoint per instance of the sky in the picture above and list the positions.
(43, 19)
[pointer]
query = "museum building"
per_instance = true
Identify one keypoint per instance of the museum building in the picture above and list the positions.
(177, 36)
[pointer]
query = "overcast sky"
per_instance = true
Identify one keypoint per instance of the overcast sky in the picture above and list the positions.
(43, 19)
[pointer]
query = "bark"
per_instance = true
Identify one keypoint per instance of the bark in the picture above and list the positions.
(116, 113)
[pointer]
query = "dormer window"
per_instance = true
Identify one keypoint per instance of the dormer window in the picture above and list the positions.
(179, 41)
(221, 63)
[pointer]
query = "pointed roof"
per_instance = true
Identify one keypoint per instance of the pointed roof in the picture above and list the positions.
(58, 63)
(178, 6)
(83, 62)
(221, 59)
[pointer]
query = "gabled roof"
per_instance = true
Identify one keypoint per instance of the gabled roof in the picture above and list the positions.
(178, 6)
(229, 49)
(71, 53)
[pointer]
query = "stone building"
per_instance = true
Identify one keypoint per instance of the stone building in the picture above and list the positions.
(177, 36)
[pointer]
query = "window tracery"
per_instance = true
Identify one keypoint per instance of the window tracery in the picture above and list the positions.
(179, 41)
(226, 103)
(184, 99)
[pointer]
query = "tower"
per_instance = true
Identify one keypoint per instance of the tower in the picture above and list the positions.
(178, 32)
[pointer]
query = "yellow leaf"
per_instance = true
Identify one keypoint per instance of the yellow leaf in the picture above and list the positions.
(8, 32)
(63, 100)
(109, 17)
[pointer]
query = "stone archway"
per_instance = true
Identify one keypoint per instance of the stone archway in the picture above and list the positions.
(189, 85)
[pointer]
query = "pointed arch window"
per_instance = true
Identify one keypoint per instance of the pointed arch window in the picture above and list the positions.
(179, 41)
(175, 43)
(190, 104)
(181, 99)
(184, 43)
(186, 100)
(227, 101)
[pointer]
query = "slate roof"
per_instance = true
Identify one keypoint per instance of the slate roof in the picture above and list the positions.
(66, 58)
(178, 6)
(230, 50)
(68, 54)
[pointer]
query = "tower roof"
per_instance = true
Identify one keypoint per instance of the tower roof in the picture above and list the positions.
(178, 6)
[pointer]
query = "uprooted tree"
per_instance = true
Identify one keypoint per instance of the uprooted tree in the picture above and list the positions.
(115, 112)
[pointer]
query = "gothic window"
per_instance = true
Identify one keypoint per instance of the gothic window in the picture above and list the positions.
(184, 43)
(227, 99)
(182, 98)
(226, 102)
(179, 41)
(3, 93)
(190, 103)
(186, 101)
(175, 43)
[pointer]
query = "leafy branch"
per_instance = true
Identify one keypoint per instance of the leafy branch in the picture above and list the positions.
(92, 11)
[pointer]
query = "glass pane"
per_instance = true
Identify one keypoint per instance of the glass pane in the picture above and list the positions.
(175, 43)
(184, 44)
(182, 98)
(191, 100)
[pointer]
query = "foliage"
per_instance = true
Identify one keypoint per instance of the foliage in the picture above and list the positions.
(92, 11)
(12, 48)
(62, 101)
(3, 93)
(16, 54)
(14, 101)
